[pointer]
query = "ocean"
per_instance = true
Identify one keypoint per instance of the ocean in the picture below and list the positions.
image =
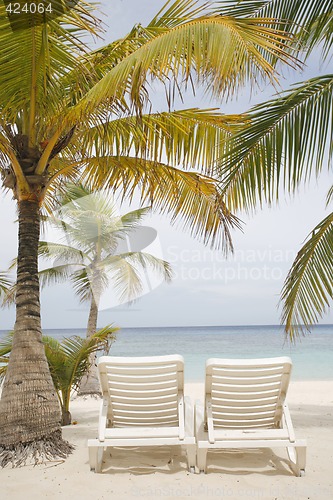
(312, 355)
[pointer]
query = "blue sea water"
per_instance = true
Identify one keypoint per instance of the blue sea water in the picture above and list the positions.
(312, 355)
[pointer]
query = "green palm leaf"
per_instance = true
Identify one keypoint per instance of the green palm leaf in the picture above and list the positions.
(312, 20)
(329, 198)
(43, 55)
(76, 352)
(283, 145)
(308, 289)
(298, 11)
(5, 284)
(98, 63)
(5, 349)
(189, 137)
(173, 13)
(133, 219)
(193, 199)
(233, 59)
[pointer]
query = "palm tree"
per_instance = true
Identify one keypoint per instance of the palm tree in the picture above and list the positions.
(69, 361)
(90, 259)
(66, 112)
(284, 144)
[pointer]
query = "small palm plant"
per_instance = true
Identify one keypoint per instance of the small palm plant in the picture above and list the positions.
(68, 360)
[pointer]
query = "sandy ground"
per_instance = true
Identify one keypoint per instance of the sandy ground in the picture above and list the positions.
(160, 473)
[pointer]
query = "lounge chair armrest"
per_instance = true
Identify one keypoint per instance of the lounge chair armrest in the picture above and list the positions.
(210, 423)
(103, 413)
(189, 417)
(181, 416)
(288, 422)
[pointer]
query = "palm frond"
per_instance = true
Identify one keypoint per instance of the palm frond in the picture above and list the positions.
(5, 148)
(10, 296)
(329, 197)
(5, 284)
(240, 54)
(57, 364)
(190, 198)
(124, 271)
(77, 352)
(38, 58)
(173, 13)
(308, 288)
(312, 21)
(192, 138)
(6, 345)
(298, 11)
(5, 349)
(96, 64)
(82, 284)
(147, 261)
(132, 219)
(283, 145)
(61, 251)
(56, 274)
(126, 279)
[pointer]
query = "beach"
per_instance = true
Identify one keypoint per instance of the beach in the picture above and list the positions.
(162, 473)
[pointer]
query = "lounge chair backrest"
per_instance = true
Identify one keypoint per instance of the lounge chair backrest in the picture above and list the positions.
(244, 393)
(142, 391)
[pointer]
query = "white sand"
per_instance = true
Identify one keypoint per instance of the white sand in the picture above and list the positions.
(161, 472)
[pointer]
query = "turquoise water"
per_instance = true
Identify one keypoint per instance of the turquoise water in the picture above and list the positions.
(312, 355)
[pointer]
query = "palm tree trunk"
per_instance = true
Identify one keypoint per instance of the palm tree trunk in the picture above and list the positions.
(30, 413)
(66, 416)
(90, 384)
(93, 316)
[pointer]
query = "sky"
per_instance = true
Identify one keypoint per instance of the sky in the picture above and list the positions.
(207, 289)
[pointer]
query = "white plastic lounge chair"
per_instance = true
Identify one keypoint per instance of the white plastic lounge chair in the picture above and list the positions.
(245, 408)
(143, 405)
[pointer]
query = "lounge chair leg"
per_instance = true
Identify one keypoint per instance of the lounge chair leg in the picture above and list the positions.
(191, 456)
(96, 458)
(92, 457)
(297, 458)
(202, 459)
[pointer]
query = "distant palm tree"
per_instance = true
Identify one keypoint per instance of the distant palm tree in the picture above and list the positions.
(89, 257)
(287, 141)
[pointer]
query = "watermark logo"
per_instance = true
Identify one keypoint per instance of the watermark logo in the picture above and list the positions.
(252, 265)
(24, 14)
